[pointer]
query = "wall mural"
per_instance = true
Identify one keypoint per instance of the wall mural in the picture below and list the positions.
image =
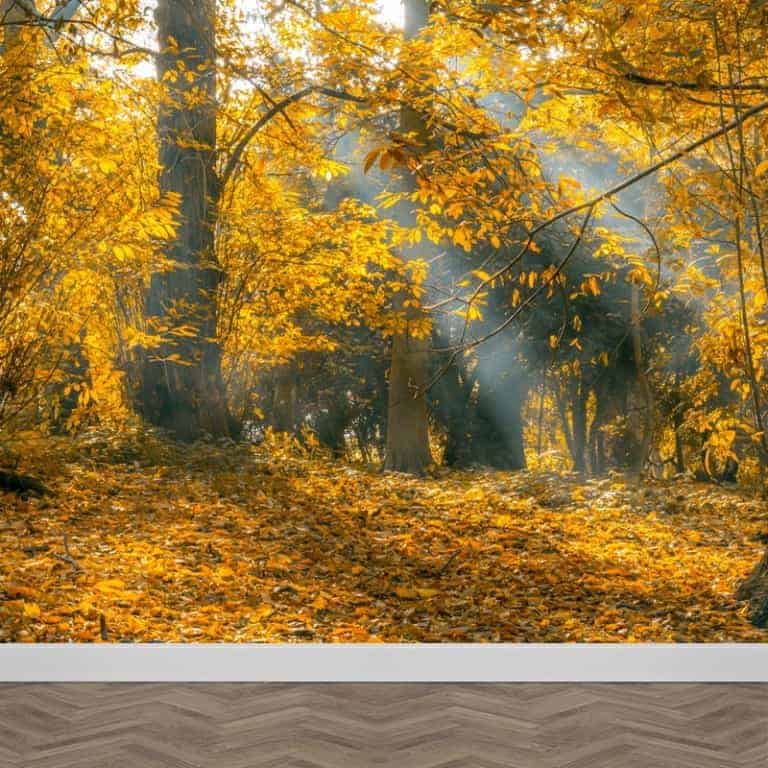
(383, 322)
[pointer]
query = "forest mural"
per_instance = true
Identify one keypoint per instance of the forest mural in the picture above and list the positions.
(383, 321)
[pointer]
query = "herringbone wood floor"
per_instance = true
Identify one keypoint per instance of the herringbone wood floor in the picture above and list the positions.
(402, 726)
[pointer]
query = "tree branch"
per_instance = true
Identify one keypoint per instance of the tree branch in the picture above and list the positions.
(656, 167)
(276, 109)
(66, 12)
(589, 206)
(52, 23)
(640, 79)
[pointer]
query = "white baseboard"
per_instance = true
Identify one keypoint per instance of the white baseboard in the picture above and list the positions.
(384, 663)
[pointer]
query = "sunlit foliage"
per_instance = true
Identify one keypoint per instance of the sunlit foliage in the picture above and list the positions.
(561, 204)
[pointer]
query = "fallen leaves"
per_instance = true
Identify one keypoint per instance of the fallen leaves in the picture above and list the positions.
(259, 548)
(110, 586)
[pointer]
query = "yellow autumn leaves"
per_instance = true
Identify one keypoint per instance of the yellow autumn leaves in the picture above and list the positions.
(282, 547)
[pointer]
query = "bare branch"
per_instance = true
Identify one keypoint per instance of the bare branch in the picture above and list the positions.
(31, 16)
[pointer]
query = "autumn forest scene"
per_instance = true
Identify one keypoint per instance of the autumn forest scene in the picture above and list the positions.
(383, 321)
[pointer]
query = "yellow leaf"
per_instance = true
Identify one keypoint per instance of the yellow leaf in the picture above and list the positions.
(110, 586)
(263, 611)
(370, 159)
(107, 166)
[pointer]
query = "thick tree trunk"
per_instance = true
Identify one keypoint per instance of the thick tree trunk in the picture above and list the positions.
(754, 589)
(182, 388)
(407, 417)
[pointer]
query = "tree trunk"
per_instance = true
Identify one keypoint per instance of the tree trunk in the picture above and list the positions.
(606, 410)
(596, 438)
(13, 16)
(407, 418)
(407, 422)
(642, 378)
(679, 455)
(182, 388)
(453, 408)
(579, 416)
(284, 416)
(540, 419)
(754, 589)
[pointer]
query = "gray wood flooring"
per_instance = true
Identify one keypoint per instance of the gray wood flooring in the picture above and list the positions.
(398, 726)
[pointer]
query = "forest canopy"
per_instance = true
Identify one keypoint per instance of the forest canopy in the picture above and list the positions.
(453, 313)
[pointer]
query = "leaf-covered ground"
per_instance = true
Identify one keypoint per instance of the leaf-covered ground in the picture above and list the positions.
(215, 544)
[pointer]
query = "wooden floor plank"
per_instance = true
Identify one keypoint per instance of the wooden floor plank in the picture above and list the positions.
(387, 726)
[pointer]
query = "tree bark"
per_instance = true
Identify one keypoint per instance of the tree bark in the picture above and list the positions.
(679, 454)
(754, 590)
(284, 401)
(642, 378)
(579, 417)
(182, 388)
(407, 447)
(596, 437)
(407, 419)
(451, 403)
(12, 16)
(540, 418)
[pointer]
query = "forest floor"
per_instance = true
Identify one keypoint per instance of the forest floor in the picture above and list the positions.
(145, 541)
